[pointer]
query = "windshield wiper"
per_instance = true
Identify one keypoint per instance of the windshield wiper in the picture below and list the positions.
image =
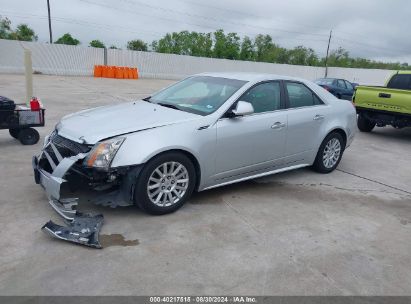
(147, 98)
(168, 105)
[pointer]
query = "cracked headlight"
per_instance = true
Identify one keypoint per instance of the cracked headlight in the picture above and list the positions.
(103, 153)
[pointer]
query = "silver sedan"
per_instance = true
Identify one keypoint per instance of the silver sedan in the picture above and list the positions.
(203, 132)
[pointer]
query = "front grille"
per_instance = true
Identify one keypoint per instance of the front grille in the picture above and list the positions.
(64, 146)
(67, 146)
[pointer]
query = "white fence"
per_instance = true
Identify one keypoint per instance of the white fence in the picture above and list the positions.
(54, 59)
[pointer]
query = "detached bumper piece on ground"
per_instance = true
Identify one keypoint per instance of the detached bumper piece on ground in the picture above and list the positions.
(84, 229)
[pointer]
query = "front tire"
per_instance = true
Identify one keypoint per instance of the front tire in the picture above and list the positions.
(165, 183)
(330, 153)
(364, 124)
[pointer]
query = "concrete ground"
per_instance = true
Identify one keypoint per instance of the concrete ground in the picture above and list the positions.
(296, 233)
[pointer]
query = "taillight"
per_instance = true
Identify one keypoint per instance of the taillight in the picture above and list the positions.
(327, 88)
(353, 98)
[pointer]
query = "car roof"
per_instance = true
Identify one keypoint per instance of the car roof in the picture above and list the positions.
(253, 77)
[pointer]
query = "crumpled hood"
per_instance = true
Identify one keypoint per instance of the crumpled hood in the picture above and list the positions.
(93, 125)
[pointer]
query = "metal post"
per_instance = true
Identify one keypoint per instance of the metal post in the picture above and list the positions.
(48, 9)
(29, 75)
(105, 56)
(326, 58)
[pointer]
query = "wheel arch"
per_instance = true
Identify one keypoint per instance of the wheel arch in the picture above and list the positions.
(339, 131)
(192, 158)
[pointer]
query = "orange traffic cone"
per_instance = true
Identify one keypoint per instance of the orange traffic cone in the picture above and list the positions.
(105, 71)
(125, 71)
(98, 70)
(111, 72)
(134, 71)
(119, 73)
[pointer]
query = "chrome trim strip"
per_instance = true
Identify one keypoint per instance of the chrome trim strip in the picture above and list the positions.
(257, 176)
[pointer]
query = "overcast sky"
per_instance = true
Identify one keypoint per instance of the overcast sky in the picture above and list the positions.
(375, 29)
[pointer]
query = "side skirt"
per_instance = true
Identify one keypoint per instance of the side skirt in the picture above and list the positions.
(257, 176)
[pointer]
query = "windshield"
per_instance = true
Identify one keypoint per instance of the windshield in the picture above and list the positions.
(199, 94)
(323, 81)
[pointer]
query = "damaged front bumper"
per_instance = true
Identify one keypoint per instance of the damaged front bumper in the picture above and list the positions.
(52, 182)
(61, 163)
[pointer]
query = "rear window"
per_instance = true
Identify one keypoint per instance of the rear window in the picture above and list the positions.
(400, 81)
(324, 81)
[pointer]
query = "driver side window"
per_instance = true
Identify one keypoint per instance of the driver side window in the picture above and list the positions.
(264, 97)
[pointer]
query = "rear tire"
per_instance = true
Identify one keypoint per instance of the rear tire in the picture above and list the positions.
(29, 136)
(330, 153)
(364, 124)
(165, 183)
(14, 133)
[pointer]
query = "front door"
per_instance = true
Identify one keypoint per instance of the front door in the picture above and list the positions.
(255, 142)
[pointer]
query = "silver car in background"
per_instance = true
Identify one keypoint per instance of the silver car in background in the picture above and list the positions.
(205, 131)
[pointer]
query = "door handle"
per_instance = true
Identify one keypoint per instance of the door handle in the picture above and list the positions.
(319, 117)
(278, 125)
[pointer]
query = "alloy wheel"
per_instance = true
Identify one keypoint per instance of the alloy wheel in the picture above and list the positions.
(167, 184)
(331, 153)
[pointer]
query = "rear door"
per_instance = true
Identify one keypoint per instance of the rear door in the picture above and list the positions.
(306, 116)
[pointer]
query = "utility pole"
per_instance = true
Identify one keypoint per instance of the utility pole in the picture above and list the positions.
(48, 9)
(326, 58)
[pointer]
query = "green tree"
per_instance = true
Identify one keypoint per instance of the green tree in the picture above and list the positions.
(24, 33)
(339, 58)
(113, 47)
(247, 49)
(219, 44)
(233, 46)
(97, 44)
(185, 43)
(67, 39)
(137, 45)
(5, 28)
(303, 56)
(262, 49)
(264, 46)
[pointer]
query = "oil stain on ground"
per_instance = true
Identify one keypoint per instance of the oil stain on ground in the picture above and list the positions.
(109, 240)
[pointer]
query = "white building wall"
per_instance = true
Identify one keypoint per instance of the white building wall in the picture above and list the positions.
(55, 59)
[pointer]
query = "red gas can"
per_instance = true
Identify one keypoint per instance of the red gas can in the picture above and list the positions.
(34, 104)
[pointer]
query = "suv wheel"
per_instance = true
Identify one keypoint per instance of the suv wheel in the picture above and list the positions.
(329, 154)
(364, 124)
(165, 183)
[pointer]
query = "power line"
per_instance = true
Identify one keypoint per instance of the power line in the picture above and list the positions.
(78, 22)
(369, 45)
(192, 15)
(126, 29)
(245, 14)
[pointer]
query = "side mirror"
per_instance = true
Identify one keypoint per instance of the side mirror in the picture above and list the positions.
(243, 108)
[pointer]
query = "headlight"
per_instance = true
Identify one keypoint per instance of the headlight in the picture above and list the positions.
(103, 153)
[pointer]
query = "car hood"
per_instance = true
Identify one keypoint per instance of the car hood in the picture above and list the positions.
(93, 125)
